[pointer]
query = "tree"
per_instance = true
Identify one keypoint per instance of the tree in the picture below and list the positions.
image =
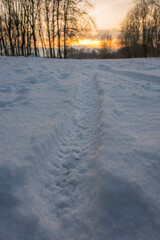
(29, 25)
(76, 20)
(141, 28)
(106, 46)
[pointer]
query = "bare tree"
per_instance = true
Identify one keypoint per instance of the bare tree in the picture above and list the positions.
(76, 21)
(106, 45)
(140, 29)
(29, 25)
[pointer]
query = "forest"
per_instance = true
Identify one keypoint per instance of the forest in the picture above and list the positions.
(140, 30)
(46, 28)
(41, 27)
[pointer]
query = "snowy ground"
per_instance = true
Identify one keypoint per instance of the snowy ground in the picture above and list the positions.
(79, 149)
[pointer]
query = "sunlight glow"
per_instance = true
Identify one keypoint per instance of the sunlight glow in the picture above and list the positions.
(108, 14)
(93, 43)
(86, 43)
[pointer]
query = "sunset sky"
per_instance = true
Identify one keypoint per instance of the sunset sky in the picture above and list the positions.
(107, 14)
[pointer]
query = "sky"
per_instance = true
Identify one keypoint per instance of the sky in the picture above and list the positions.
(109, 13)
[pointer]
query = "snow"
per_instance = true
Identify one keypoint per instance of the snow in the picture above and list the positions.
(79, 149)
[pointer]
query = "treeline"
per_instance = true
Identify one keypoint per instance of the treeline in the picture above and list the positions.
(104, 51)
(47, 27)
(89, 53)
(41, 27)
(140, 30)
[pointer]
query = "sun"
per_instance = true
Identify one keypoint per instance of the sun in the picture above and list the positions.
(93, 43)
(89, 42)
(86, 43)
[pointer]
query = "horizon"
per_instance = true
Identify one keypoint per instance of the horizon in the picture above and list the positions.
(110, 22)
(110, 25)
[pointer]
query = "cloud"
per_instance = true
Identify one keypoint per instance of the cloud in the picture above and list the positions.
(100, 33)
(107, 4)
(109, 14)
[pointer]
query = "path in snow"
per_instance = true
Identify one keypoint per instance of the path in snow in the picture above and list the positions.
(75, 160)
(79, 149)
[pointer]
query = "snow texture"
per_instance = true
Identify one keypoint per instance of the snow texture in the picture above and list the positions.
(79, 149)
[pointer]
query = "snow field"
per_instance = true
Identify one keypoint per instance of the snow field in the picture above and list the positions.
(79, 149)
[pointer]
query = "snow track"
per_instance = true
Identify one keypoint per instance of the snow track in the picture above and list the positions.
(79, 149)
(72, 172)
